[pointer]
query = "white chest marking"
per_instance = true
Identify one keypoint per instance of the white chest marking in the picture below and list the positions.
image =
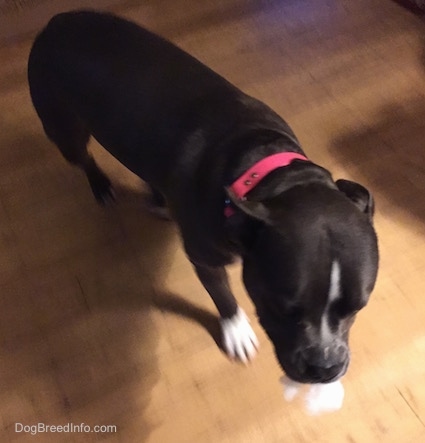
(334, 294)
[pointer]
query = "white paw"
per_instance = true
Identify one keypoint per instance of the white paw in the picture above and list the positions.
(239, 339)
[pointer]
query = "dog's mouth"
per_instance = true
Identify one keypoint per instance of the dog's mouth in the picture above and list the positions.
(306, 362)
(302, 378)
(313, 375)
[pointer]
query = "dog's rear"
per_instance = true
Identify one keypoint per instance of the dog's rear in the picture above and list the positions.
(61, 123)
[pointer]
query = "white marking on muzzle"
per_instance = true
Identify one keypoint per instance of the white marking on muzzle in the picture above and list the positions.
(334, 293)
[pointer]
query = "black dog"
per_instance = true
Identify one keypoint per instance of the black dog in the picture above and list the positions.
(232, 174)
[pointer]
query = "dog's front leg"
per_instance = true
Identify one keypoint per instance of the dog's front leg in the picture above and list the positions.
(239, 340)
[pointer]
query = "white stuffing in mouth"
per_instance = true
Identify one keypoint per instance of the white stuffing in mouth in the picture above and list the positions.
(317, 398)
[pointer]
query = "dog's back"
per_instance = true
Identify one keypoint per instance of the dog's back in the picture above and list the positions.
(125, 85)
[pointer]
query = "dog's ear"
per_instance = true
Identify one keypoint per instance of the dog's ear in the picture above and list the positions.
(359, 195)
(254, 209)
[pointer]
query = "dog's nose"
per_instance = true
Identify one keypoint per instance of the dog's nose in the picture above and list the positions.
(323, 364)
(324, 356)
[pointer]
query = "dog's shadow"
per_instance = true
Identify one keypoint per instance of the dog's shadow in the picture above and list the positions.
(389, 155)
(155, 240)
(388, 152)
(411, 5)
(175, 304)
(78, 322)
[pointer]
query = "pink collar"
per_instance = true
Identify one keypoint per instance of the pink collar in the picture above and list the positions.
(249, 179)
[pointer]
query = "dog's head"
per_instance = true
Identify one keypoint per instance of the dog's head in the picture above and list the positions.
(309, 268)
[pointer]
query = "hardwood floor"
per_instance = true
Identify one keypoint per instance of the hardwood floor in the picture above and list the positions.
(102, 320)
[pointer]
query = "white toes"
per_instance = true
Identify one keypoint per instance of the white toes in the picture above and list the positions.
(239, 339)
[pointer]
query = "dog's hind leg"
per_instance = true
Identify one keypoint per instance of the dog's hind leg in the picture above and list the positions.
(71, 138)
(70, 135)
(64, 127)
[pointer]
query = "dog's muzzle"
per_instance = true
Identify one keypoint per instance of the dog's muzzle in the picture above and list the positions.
(315, 364)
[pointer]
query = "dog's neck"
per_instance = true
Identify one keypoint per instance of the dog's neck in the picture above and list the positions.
(274, 181)
(253, 147)
(257, 172)
(295, 174)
